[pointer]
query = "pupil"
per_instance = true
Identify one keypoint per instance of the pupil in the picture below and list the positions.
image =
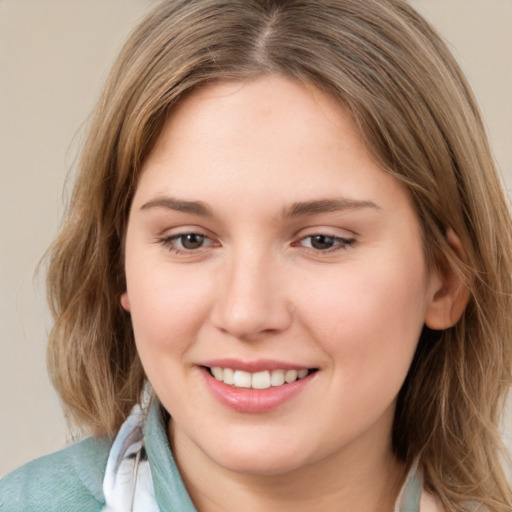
(322, 242)
(192, 241)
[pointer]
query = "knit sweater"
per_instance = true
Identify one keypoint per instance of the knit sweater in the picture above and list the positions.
(135, 472)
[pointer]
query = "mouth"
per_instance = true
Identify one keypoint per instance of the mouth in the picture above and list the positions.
(256, 387)
(258, 380)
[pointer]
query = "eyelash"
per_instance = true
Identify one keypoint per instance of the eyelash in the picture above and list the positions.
(339, 243)
(170, 241)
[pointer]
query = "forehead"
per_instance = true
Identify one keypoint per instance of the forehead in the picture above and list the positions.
(265, 137)
(259, 97)
(271, 113)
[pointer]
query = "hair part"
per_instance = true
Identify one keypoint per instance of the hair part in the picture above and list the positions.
(419, 120)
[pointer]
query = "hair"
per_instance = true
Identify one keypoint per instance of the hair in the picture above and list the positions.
(417, 117)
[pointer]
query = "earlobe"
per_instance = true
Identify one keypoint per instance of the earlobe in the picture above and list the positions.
(125, 301)
(449, 293)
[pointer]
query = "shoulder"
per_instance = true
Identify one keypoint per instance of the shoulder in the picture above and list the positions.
(71, 479)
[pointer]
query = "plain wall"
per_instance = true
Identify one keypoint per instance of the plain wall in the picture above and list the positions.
(54, 57)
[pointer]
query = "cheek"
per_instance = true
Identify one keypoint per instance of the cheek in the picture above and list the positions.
(167, 312)
(167, 308)
(370, 316)
(368, 325)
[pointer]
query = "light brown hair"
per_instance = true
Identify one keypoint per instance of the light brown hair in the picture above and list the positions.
(419, 120)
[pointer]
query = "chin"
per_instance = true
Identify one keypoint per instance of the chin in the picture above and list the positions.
(264, 459)
(270, 464)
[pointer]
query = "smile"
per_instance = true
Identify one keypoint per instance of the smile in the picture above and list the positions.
(258, 380)
(256, 387)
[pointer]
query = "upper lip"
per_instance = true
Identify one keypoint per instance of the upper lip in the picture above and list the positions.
(258, 365)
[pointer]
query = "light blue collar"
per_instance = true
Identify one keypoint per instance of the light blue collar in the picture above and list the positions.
(142, 476)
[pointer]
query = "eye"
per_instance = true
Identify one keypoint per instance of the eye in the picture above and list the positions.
(186, 242)
(325, 243)
(190, 241)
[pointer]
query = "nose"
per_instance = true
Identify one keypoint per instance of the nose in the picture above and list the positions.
(250, 301)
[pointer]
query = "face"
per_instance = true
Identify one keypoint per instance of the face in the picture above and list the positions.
(275, 278)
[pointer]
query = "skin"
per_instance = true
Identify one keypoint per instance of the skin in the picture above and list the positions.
(257, 288)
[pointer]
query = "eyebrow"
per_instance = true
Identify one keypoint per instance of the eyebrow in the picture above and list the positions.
(180, 205)
(305, 208)
(298, 209)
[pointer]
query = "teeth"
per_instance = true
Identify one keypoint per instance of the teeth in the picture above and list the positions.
(258, 380)
(277, 378)
(229, 376)
(302, 373)
(218, 373)
(290, 376)
(242, 379)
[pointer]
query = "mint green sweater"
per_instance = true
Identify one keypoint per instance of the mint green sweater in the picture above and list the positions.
(68, 480)
(71, 480)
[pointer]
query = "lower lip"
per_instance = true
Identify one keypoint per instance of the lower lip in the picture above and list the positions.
(255, 401)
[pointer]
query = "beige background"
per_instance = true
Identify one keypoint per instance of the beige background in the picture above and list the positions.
(54, 56)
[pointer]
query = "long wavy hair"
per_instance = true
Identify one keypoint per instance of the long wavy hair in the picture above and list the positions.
(419, 120)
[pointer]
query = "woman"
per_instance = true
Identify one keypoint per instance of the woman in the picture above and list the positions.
(286, 221)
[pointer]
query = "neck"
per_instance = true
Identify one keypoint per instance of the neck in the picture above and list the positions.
(345, 481)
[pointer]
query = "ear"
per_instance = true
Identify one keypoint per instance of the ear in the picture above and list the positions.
(125, 301)
(449, 294)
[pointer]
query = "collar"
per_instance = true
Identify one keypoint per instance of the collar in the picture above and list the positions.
(141, 473)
